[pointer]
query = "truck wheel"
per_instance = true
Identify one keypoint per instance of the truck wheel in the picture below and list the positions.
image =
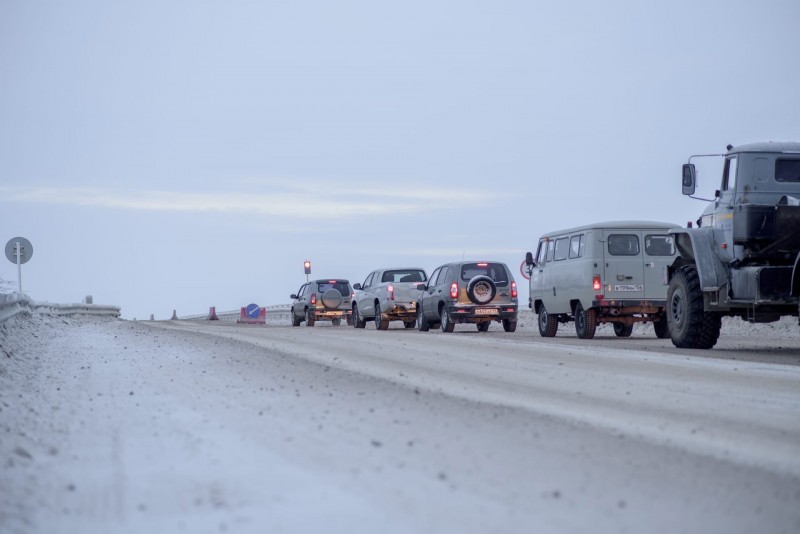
(660, 327)
(511, 326)
(585, 322)
(447, 324)
(380, 322)
(422, 324)
(296, 320)
(623, 330)
(689, 326)
(310, 319)
(358, 322)
(483, 327)
(548, 325)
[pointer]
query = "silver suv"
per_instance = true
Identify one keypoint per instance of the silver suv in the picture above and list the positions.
(477, 292)
(322, 300)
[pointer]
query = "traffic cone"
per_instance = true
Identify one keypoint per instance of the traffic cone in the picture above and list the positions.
(212, 314)
(174, 316)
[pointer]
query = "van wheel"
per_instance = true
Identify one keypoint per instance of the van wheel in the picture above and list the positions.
(548, 325)
(660, 327)
(380, 322)
(511, 326)
(422, 324)
(623, 330)
(310, 319)
(483, 327)
(447, 324)
(585, 322)
(689, 325)
(358, 322)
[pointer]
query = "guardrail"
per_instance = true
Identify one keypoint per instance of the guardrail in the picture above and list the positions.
(12, 304)
(275, 312)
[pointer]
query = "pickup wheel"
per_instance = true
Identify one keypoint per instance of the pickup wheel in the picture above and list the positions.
(447, 324)
(358, 322)
(690, 327)
(310, 319)
(585, 322)
(483, 327)
(422, 324)
(548, 325)
(380, 322)
(623, 330)
(660, 327)
(510, 326)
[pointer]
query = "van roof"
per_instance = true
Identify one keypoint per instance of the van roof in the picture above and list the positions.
(615, 225)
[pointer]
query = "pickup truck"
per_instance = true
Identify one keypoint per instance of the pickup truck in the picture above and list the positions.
(388, 295)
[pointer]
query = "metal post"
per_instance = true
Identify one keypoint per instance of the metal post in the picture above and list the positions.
(19, 267)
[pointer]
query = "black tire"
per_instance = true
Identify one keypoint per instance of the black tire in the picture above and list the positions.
(380, 322)
(336, 322)
(481, 289)
(410, 324)
(690, 327)
(585, 322)
(358, 322)
(548, 325)
(296, 320)
(310, 319)
(623, 330)
(483, 327)
(660, 327)
(349, 320)
(510, 326)
(446, 324)
(422, 323)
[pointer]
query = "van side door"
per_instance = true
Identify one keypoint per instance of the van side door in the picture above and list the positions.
(624, 265)
(537, 274)
(659, 252)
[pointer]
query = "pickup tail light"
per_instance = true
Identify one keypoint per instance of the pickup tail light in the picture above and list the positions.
(513, 290)
(314, 299)
(454, 290)
(597, 284)
(390, 289)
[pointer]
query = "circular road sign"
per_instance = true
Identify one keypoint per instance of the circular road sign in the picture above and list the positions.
(26, 250)
(524, 270)
(253, 311)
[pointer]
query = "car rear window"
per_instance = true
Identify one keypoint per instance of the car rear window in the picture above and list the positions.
(623, 244)
(341, 287)
(408, 275)
(495, 271)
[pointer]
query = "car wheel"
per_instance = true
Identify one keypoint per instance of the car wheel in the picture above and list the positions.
(422, 324)
(548, 324)
(510, 326)
(358, 322)
(310, 319)
(483, 327)
(380, 322)
(447, 324)
(296, 320)
(690, 327)
(585, 322)
(660, 327)
(336, 322)
(623, 330)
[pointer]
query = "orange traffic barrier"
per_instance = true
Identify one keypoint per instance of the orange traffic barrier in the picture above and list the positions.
(212, 314)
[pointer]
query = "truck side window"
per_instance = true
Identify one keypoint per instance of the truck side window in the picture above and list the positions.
(562, 249)
(729, 174)
(623, 244)
(787, 170)
(576, 246)
(659, 245)
(551, 246)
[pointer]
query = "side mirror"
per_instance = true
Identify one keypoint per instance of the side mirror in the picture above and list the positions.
(293, 296)
(689, 182)
(529, 260)
(356, 286)
(421, 287)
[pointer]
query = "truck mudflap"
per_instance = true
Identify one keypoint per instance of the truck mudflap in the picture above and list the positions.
(696, 245)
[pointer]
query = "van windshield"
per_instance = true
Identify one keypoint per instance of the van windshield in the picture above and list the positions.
(495, 271)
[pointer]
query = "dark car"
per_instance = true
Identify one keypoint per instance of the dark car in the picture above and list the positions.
(477, 292)
(322, 300)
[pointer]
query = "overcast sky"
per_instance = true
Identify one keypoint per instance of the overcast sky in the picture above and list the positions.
(180, 155)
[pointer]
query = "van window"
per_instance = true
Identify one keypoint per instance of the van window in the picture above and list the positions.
(659, 245)
(576, 245)
(551, 245)
(541, 251)
(623, 244)
(562, 249)
(787, 170)
(495, 271)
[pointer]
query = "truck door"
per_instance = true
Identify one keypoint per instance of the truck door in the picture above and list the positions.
(624, 265)
(659, 252)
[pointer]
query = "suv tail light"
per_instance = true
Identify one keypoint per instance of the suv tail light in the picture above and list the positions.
(513, 290)
(597, 285)
(390, 289)
(314, 299)
(454, 290)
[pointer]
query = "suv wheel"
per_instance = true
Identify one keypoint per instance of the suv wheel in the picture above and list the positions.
(296, 320)
(585, 322)
(422, 324)
(548, 325)
(310, 319)
(483, 327)
(623, 330)
(510, 326)
(481, 289)
(358, 322)
(689, 326)
(380, 322)
(447, 324)
(336, 322)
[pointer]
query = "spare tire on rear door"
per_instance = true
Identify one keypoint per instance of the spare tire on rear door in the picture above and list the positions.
(331, 298)
(481, 289)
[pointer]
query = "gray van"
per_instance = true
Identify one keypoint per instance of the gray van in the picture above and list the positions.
(612, 272)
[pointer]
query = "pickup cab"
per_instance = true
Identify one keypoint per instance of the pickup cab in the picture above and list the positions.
(388, 295)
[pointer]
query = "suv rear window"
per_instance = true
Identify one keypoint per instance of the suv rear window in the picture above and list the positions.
(495, 271)
(338, 285)
(411, 275)
(623, 244)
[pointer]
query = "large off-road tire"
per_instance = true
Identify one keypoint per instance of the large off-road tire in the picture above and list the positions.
(483, 327)
(690, 327)
(481, 289)
(447, 323)
(585, 322)
(510, 326)
(661, 328)
(422, 323)
(310, 319)
(296, 320)
(380, 322)
(623, 330)
(548, 325)
(358, 322)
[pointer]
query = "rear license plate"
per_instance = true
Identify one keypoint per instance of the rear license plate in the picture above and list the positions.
(486, 311)
(629, 287)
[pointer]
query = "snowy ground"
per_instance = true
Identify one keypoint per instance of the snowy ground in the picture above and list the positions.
(119, 426)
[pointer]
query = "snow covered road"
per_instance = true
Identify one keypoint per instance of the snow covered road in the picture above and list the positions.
(118, 426)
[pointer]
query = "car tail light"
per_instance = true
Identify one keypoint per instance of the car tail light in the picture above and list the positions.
(483, 265)
(390, 289)
(454, 290)
(513, 290)
(314, 299)
(597, 285)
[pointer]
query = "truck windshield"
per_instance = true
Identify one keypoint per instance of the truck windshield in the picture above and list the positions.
(495, 271)
(407, 275)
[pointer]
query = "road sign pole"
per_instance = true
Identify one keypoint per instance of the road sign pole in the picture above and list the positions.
(19, 267)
